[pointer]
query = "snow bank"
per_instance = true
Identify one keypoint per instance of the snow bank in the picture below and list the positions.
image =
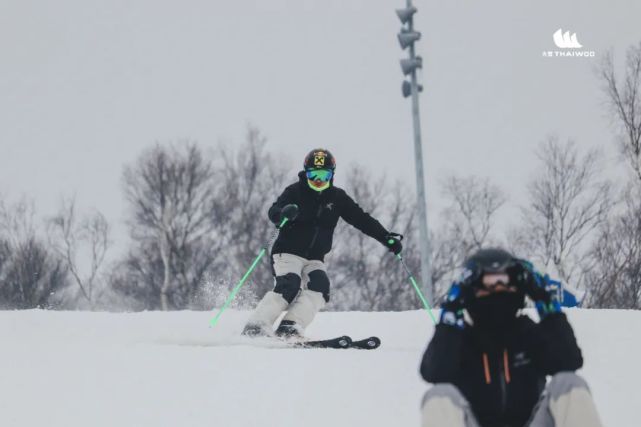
(170, 369)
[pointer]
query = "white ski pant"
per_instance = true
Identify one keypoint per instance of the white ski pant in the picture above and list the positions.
(565, 402)
(302, 289)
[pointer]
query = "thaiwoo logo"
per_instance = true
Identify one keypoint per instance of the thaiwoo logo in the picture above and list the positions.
(569, 43)
(565, 40)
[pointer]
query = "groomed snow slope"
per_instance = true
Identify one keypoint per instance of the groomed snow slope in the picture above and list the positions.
(170, 369)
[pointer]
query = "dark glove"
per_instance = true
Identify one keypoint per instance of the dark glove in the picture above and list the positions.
(393, 243)
(289, 211)
(542, 290)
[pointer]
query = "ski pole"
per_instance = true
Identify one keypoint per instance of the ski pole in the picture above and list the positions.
(416, 288)
(240, 284)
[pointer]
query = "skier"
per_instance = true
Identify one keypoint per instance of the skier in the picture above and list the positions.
(492, 372)
(312, 207)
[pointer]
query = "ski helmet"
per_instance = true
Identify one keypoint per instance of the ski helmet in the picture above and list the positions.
(490, 260)
(487, 267)
(319, 158)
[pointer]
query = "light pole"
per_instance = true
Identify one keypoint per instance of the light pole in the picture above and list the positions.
(407, 38)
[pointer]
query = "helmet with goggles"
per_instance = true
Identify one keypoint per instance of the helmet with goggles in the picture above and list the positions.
(488, 271)
(319, 166)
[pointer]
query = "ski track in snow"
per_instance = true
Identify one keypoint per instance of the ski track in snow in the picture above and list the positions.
(171, 369)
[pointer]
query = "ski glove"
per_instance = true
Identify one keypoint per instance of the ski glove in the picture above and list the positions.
(289, 211)
(457, 299)
(541, 289)
(393, 243)
(452, 307)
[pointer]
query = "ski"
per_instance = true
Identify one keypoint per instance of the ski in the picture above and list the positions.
(343, 342)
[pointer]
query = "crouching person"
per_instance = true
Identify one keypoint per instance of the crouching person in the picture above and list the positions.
(492, 372)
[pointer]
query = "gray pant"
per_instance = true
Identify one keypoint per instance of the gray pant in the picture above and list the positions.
(306, 303)
(565, 402)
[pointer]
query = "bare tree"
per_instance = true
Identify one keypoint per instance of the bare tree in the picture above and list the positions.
(614, 266)
(474, 204)
(567, 202)
(251, 180)
(449, 249)
(69, 235)
(624, 100)
(613, 278)
(466, 224)
(365, 276)
(175, 210)
(198, 220)
(469, 218)
(29, 273)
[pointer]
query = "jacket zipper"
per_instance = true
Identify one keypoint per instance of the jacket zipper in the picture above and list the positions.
(503, 393)
(316, 230)
(502, 377)
(506, 378)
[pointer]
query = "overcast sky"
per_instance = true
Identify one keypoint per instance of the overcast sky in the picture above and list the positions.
(86, 85)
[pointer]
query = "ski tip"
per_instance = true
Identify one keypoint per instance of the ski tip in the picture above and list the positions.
(370, 343)
(344, 341)
(373, 342)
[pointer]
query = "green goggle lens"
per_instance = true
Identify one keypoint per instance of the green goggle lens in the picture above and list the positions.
(320, 174)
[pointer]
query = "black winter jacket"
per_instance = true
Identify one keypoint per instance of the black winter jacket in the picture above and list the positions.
(310, 235)
(502, 375)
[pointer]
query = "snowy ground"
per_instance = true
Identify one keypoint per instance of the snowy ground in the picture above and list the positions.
(170, 369)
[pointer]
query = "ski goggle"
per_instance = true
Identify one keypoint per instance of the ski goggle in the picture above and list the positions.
(493, 283)
(323, 175)
(494, 279)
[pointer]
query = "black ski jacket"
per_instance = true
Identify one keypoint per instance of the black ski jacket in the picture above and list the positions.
(310, 235)
(502, 375)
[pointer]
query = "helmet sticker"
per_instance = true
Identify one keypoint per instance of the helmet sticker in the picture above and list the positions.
(319, 158)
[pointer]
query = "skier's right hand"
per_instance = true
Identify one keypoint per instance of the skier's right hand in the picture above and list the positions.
(289, 211)
(452, 307)
(393, 243)
(458, 297)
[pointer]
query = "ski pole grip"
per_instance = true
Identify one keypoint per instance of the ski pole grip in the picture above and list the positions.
(391, 237)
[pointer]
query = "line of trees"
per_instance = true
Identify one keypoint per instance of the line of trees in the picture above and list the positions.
(197, 218)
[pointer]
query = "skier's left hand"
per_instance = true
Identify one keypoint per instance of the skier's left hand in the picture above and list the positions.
(393, 243)
(536, 287)
(528, 280)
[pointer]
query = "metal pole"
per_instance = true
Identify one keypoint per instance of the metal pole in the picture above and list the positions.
(426, 276)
